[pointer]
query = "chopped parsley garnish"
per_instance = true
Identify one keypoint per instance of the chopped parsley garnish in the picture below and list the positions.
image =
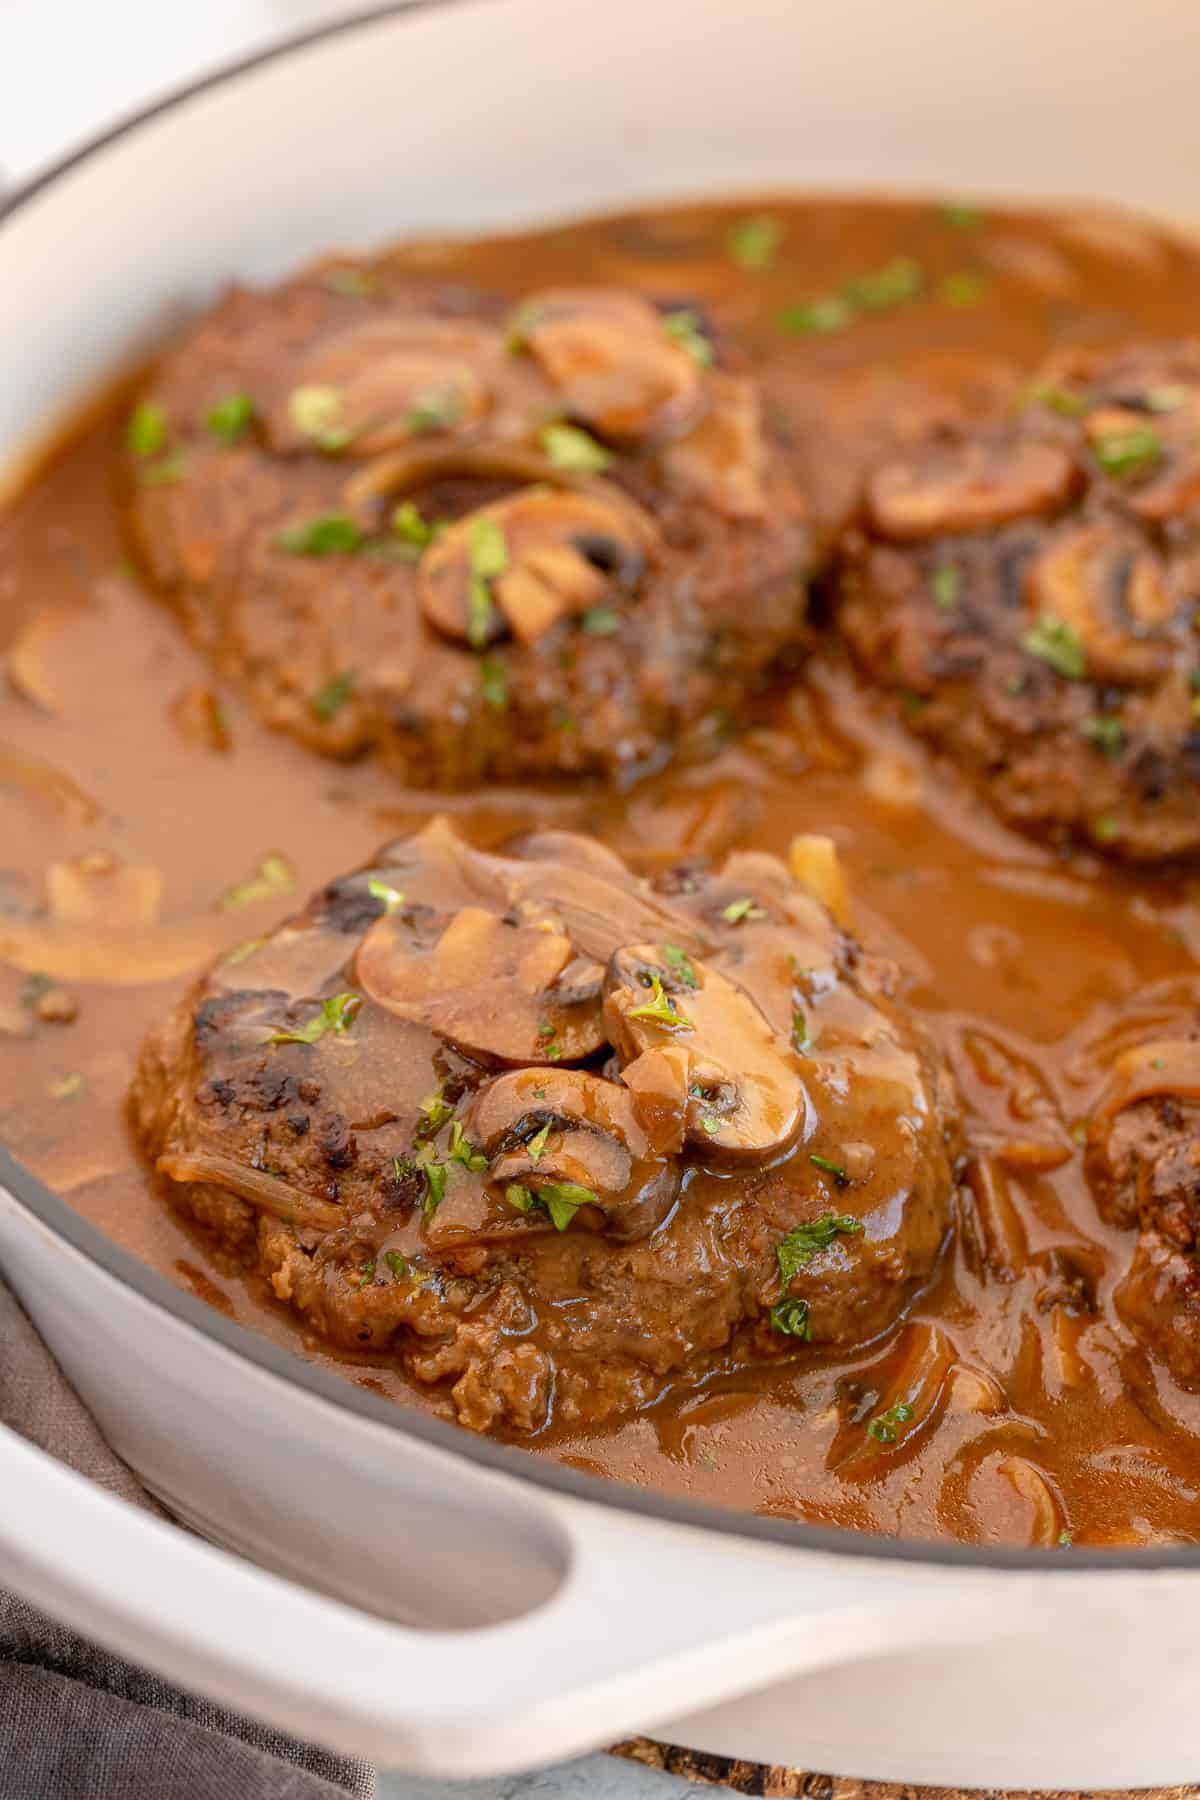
(791, 1317)
(1058, 644)
(538, 1142)
(884, 1426)
(840, 1177)
(274, 876)
(163, 473)
(680, 964)
(411, 528)
(875, 291)
(329, 534)
(1105, 828)
(946, 583)
(356, 283)
(1128, 452)
(435, 1111)
(560, 1199)
(1107, 733)
(816, 318)
(577, 451)
(966, 287)
(393, 898)
(799, 1029)
(803, 1241)
(231, 418)
(396, 1264)
(367, 1273)
(754, 242)
(461, 1150)
(601, 621)
(961, 215)
(242, 952)
(684, 328)
(1057, 400)
(435, 410)
(493, 679)
(745, 908)
(316, 413)
(661, 1009)
(146, 433)
(1065, 1540)
(69, 1088)
(711, 1124)
(337, 1015)
(524, 319)
(435, 1184)
(487, 554)
(329, 700)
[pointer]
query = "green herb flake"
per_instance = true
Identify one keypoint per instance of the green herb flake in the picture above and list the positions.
(393, 898)
(601, 621)
(840, 1177)
(274, 876)
(231, 418)
(396, 1263)
(574, 450)
(1055, 642)
(316, 413)
(791, 1318)
(412, 529)
(884, 1427)
(337, 1014)
(754, 242)
(242, 952)
(329, 700)
(1079, 1133)
(70, 1087)
(435, 1185)
(1132, 452)
(1105, 828)
(461, 1150)
(1065, 1540)
(966, 287)
(437, 409)
(146, 433)
(680, 964)
(329, 534)
(799, 1029)
(946, 585)
(683, 327)
(1107, 733)
(524, 320)
(816, 318)
(493, 680)
(804, 1241)
(710, 1124)
(166, 472)
(435, 1112)
(661, 1009)
(538, 1143)
(745, 908)
(487, 555)
(884, 288)
(367, 1273)
(1057, 400)
(961, 215)
(560, 1199)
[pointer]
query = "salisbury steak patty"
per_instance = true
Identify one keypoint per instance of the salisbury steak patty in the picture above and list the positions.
(407, 519)
(1032, 587)
(553, 1135)
(1143, 1161)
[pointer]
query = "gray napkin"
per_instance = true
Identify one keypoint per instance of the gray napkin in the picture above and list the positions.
(77, 1723)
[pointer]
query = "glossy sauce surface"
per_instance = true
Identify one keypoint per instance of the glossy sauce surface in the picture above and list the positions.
(1030, 967)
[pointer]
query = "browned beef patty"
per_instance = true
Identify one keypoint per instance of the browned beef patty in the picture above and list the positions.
(554, 1136)
(1031, 589)
(1143, 1161)
(409, 521)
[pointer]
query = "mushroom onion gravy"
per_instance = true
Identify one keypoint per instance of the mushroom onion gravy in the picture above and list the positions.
(152, 823)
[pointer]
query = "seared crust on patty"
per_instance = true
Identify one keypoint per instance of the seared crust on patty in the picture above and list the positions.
(408, 521)
(1030, 587)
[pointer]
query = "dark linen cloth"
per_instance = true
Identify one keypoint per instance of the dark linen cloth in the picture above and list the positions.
(79, 1724)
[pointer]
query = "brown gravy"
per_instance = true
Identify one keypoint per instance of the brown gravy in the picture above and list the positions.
(1023, 962)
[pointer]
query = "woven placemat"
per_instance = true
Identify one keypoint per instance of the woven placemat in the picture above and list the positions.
(778, 1783)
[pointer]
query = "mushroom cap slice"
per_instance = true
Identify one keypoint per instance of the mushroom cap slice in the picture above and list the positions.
(722, 458)
(547, 555)
(489, 985)
(1111, 589)
(612, 362)
(744, 1097)
(969, 487)
(546, 1128)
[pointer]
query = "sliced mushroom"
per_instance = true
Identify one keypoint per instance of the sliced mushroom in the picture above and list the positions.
(1112, 592)
(386, 382)
(550, 555)
(744, 1097)
(722, 458)
(490, 985)
(612, 362)
(970, 487)
(571, 849)
(545, 1128)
